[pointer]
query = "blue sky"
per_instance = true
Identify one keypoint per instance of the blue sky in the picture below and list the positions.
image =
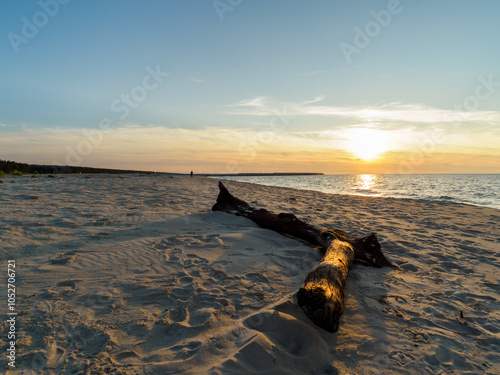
(252, 85)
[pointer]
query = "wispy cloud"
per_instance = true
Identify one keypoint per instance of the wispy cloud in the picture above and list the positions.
(258, 102)
(391, 113)
(265, 106)
(198, 80)
(318, 98)
(398, 112)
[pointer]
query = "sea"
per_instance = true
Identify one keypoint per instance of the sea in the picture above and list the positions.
(476, 189)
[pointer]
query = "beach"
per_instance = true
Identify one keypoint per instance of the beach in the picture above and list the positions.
(135, 274)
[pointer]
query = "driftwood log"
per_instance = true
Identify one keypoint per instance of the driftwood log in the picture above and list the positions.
(322, 296)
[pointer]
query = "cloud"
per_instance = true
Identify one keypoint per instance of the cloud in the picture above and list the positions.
(398, 112)
(318, 98)
(265, 106)
(197, 80)
(258, 102)
(391, 113)
(165, 147)
(258, 106)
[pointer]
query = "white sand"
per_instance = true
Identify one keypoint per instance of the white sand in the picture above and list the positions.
(135, 275)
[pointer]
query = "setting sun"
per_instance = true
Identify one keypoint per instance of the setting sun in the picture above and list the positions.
(367, 144)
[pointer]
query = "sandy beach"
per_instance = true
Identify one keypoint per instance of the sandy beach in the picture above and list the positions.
(135, 275)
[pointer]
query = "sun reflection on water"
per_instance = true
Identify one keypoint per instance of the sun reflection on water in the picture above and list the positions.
(366, 183)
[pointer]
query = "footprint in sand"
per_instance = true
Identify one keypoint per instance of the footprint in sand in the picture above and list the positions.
(62, 288)
(177, 314)
(55, 355)
(193, 260)
(175, 258)
(199, 316)
(179, 352)
(128, 356)
(401, 357)
(183, 292)
(65, 258)
(83, 337)
(186, 351)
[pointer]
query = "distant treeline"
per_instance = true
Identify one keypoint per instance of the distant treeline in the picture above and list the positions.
(7, 166)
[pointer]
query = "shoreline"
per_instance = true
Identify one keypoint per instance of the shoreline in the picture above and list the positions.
(137, 274)
(444, 199)
(10, 178)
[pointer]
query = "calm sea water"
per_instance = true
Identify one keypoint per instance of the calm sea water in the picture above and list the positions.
(476, 189)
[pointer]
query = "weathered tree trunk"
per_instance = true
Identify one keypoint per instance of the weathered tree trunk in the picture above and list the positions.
(322, 296)
(366, 249)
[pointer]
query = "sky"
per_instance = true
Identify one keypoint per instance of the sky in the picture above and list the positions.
(239, 86)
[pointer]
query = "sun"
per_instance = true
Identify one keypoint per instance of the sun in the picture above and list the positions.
(367, 144)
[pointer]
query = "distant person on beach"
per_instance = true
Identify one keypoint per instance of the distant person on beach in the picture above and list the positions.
(191, 173)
